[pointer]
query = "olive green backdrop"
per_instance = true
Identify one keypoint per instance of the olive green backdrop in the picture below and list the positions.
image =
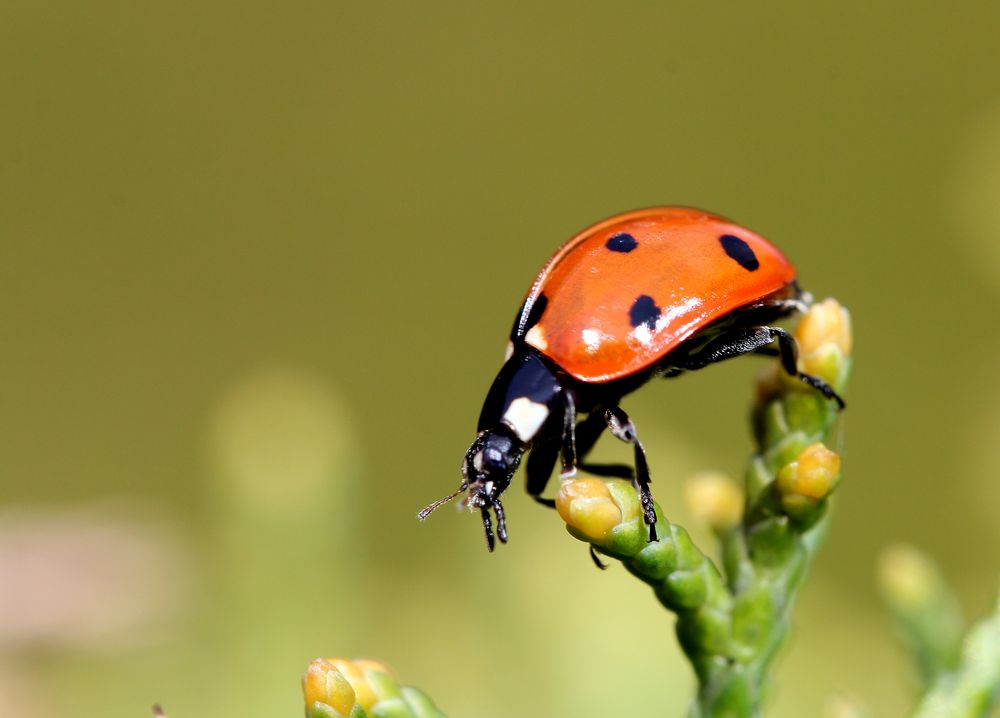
(258, 262)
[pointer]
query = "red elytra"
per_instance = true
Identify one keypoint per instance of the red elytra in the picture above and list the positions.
(677, 260)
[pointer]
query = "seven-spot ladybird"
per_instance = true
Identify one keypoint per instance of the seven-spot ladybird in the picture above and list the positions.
(654, 292)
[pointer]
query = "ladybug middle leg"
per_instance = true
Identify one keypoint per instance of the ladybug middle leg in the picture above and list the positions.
(623, 428)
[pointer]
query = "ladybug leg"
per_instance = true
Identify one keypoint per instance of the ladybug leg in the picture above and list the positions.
(541, 461)
(623, 428)
(788, 349)
(597, 559)
(758, 340)
(488, 528)
(542, 458)
(568, 437)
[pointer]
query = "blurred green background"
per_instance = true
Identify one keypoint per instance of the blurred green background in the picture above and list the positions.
(257, 267)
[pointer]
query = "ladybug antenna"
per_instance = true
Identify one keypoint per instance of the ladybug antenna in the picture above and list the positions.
(428, 510)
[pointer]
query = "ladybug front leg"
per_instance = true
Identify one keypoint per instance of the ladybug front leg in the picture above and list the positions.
(623, 428)
(541, 461)
(558, 441)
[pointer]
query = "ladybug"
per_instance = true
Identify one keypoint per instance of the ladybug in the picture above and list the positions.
(649, 293)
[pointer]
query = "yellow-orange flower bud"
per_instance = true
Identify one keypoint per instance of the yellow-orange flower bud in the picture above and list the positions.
(356, 677)
(825, 340)
(808, 479)
(587, 506)
(324, 683)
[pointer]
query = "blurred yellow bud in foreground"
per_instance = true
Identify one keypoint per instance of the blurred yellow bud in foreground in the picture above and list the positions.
(340, 688)
(354, 672)
(715, 499)
(325, 685)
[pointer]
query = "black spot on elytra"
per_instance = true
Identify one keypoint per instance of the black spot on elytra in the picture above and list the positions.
(622, 242)
(644, 311)
(739, 250)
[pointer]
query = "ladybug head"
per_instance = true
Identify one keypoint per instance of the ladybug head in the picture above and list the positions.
(487, 469)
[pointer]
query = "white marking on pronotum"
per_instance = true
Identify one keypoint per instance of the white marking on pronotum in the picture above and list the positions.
(526, 417)
(536, 338)
(509, 351)
(477, 461)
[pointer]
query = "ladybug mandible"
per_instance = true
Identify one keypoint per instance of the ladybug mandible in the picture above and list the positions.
(654, 292)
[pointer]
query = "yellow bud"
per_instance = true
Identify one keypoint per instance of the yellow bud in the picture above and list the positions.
(825, 340)
(907, 577)
(354, 673)
(715, 499)
(324, 683)
(809, 478)
(586, 505)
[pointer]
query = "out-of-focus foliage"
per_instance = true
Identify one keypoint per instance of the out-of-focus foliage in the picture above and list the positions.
(257, 267)
(959, 674)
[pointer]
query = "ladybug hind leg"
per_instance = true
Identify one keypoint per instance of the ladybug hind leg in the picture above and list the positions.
(758, 340)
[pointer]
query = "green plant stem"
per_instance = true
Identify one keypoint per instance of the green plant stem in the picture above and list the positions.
(731, 625)
(767, 556)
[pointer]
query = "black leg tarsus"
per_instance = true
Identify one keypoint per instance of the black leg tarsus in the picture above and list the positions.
(488, 528)
(789, 350)
(825, 389)
(597, 559)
